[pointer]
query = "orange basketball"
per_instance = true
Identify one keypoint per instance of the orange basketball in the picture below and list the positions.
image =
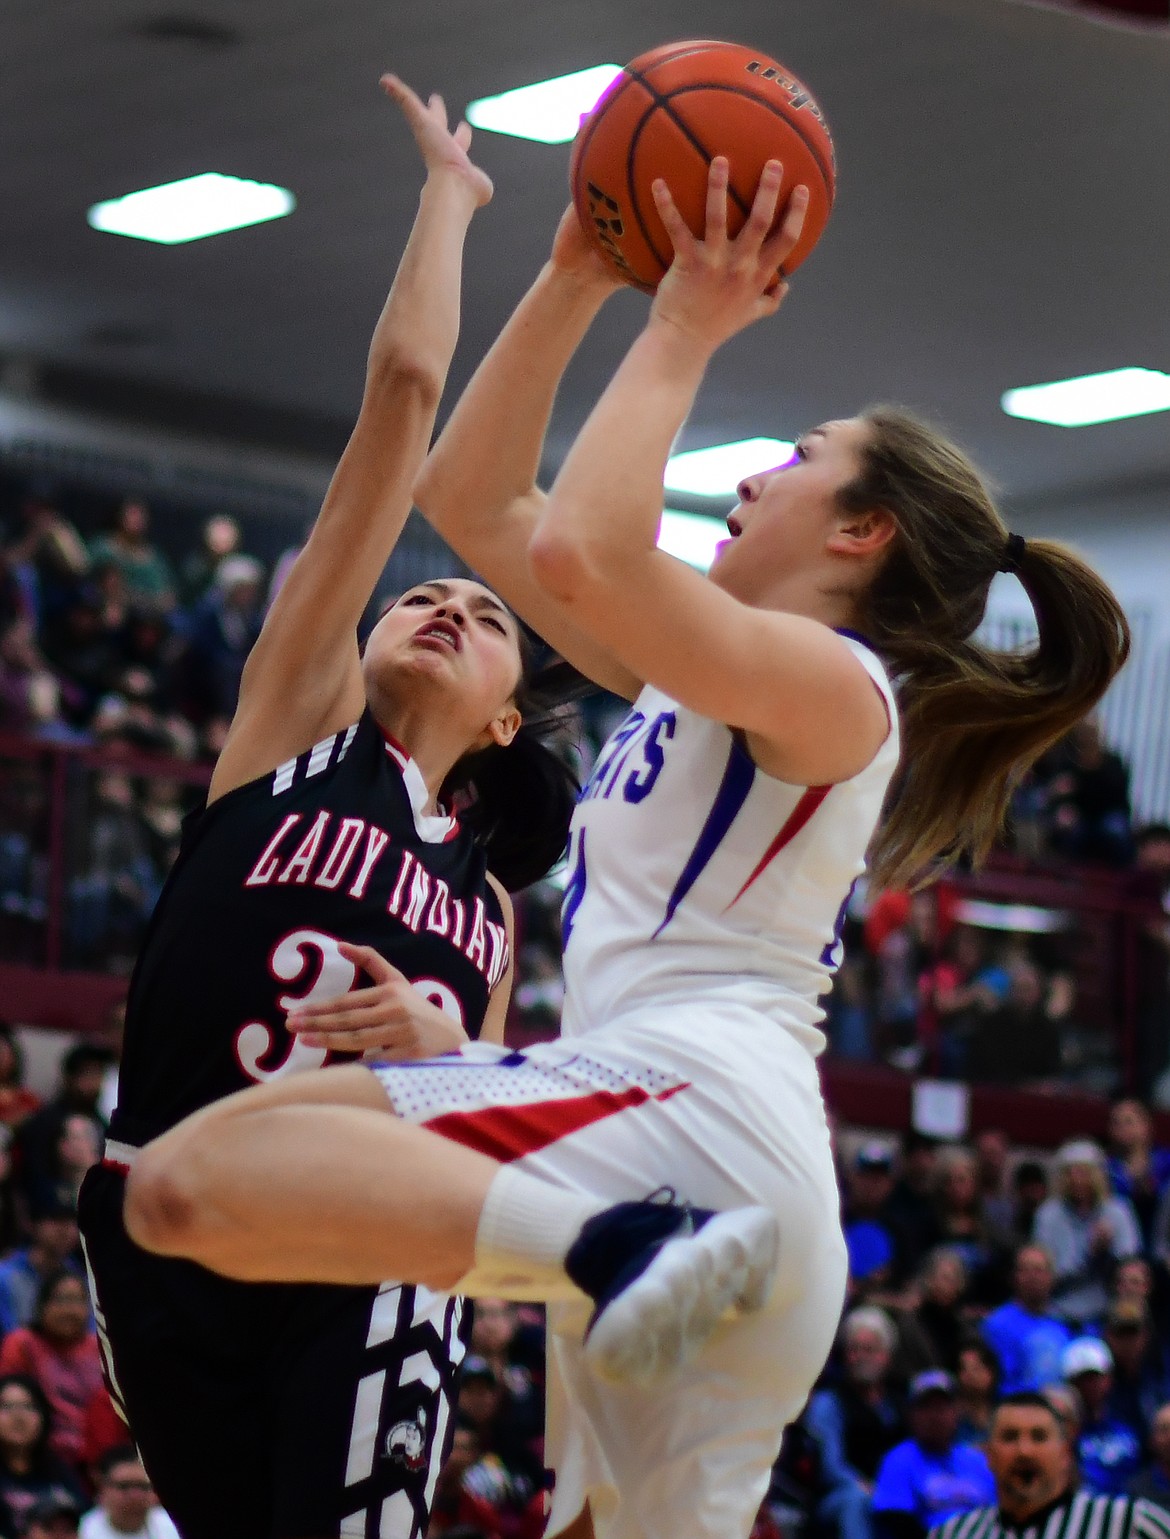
(668, 114)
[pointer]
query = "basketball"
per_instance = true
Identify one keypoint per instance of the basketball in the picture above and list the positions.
(668, 114)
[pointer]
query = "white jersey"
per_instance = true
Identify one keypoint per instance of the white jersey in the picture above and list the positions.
(695, 876)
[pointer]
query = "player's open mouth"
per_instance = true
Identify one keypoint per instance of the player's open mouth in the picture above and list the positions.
(442, 632)
(734, 527)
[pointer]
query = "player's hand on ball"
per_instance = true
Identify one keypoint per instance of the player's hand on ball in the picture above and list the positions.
(574, 257)
(390, 1019)
(443, 150)
(718, 285)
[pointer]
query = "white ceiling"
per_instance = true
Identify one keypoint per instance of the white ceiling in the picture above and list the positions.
(1003, 213)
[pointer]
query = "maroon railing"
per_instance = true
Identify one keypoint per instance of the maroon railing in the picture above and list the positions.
(1107, 910)
(42, 989)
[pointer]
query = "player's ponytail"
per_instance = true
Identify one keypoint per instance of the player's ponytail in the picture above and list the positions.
(972, 719)
(518, 800)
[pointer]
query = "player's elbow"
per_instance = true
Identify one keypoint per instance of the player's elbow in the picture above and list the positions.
(162, 1211)
(561, 561)
(398, 376)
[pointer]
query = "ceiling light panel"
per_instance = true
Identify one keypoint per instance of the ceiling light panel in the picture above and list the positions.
(192, 209)
(549, 111)
(717, 471)
(1091, 398)
(692, 537)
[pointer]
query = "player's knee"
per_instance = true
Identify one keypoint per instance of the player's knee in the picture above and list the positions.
(161, 1210)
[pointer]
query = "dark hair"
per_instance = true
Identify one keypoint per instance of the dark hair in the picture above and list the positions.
(1151, 833)
(8, 1037)
(124, 1453)
(519, 799)
(1029, 1170)
(39, 1452)
(987, 1355)
(972, 719)
(1033, 1399)
(83, 1055)
(48, 1286)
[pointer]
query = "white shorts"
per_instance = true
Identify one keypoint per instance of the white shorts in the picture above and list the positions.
(725, 1108)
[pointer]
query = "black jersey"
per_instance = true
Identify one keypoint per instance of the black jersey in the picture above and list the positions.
(333, 845)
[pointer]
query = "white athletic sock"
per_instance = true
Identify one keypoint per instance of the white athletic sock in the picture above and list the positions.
(525, 1231)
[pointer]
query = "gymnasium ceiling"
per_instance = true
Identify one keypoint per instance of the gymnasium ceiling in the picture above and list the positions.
(1003, 214)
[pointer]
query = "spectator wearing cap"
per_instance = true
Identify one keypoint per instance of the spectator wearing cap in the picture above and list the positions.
(52, 1247)
(932, 1476)
(855, 1423)
(1086, 1231)
(1138, 1169)
(1035, 1486)
(127, 1507)
(224, 627)
(1025, 1334)
(29, 1470)
(1139, 1378)
(868, 1237)
(1108, 1451)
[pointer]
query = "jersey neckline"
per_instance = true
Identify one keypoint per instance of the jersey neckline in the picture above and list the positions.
(432, 828)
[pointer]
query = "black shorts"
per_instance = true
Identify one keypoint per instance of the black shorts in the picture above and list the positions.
(272, 1410)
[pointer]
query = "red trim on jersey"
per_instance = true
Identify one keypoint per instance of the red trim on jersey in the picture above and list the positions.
(797, 818)
(403, 757)
(508, 1133)
(116, 1165)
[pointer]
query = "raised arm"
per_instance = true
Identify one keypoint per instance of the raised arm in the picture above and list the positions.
(478, 486)
(303, 679)
(786, 680)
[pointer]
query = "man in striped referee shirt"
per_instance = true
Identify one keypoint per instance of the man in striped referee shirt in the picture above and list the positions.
(1034, 1464)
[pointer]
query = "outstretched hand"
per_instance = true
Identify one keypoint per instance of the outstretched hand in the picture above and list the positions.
(574, 255)
(443, 149)
(718, 285)
(390, 1019)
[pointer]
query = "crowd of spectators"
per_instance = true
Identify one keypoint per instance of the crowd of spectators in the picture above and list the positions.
(978, 1271)
(67, 1466)
(108, 640)
(994, 992)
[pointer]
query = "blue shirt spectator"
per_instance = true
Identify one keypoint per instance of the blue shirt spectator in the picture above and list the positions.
(1109, 1453)
(932, 1476)
(1027, 1338)
(54, 1240)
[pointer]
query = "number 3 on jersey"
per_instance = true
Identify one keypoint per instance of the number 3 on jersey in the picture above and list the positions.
(314, 960)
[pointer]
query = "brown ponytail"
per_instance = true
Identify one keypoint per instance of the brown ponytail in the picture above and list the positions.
(972, 719)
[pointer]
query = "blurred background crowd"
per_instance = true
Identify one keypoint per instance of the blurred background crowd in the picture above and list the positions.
(979, 1265)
